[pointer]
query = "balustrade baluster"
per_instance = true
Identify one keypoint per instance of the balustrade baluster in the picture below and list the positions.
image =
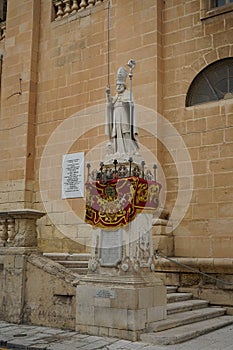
(11, 230)
(83, 5)
(74, 7)
(60, 11)
(3, 232)
(91, 3)
(67, 7)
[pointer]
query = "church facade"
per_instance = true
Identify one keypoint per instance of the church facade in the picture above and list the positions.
(57, 57)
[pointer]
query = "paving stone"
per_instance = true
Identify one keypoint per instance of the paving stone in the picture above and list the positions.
(4, 324)
(96, 345)
(92, 338)
(82, 336)
(9, 330)
(39, 347)
(153, 347)
(61, 346)
(135, 346)
(119, 344)
(5, 338)
(78, 343)
(52, 330)
(51, 339)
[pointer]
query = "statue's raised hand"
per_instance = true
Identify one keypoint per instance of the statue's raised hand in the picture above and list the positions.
(109, 98)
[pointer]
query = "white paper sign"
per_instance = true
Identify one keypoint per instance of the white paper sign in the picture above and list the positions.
(73, 175)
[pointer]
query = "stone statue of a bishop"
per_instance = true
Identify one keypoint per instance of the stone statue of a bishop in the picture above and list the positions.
(120, 119)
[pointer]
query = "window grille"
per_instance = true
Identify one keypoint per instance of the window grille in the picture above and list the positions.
(213, 83)
(218, 3)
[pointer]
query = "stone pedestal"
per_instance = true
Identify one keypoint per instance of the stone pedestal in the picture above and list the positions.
(121, 295)
(121, 307)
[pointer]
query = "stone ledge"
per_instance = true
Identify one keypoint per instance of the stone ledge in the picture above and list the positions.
(17, 250)
(159, 221)
(23, 213)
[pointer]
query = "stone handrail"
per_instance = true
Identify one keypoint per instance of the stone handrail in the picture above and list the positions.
(65, 8)
(208, 265)
(18, 228)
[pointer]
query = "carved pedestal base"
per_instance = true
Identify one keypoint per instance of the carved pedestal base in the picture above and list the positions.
(121, 295)
(121, 307)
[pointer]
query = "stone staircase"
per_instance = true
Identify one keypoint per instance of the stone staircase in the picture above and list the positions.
(187, 318)
(77, 263)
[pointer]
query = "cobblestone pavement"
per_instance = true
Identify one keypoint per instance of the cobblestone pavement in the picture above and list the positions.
(33, 338)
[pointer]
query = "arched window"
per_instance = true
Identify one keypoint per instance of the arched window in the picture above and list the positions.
(213, 83)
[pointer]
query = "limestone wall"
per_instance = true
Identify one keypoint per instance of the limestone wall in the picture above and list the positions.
(35, 290)
(73, 74)
(18, 99)
(50, 297)
(192, 42)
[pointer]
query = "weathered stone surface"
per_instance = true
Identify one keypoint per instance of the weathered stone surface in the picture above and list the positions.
(184, 333)
(36, 290)
(128, 307)
(49, 294)
(19, 227)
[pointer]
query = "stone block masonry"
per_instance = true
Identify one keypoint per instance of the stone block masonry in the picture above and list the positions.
(119, 307)
(62, 68)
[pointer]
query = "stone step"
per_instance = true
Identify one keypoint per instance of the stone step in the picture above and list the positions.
(80, 256)
(67, 256)
(77, 262)
(70, 264)
(187, 305)
(171, 289)
(80, 270)
(187, 332)
(174, 297)
(187, 317)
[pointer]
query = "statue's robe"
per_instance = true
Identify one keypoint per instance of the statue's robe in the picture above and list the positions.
(121, 131)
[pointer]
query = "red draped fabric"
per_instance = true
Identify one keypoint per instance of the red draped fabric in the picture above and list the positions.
(117, 202)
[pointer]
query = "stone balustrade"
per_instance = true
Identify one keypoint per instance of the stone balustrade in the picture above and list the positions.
(65, 8)
(18, 228)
